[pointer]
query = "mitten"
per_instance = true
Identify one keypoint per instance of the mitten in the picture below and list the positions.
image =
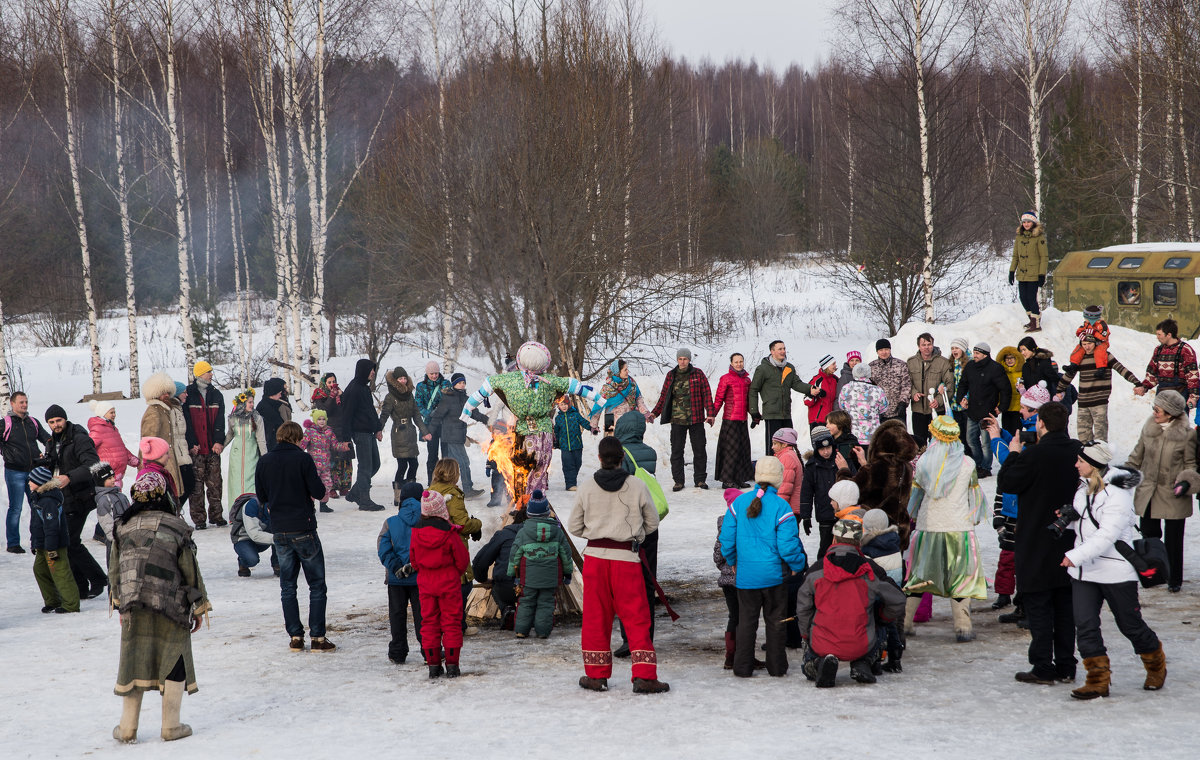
(755, 418)
(477, 535)
(807, 523)
(1041, 280)
(407, 570)
(998, 523)
(1012, 278)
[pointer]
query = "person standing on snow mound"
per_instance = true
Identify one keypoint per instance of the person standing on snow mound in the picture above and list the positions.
(361, 426)
(893, 376)
(686, 403)
(774, 380)
(204, 415)
(1030, 260)
(530, 395)
(1172, 365)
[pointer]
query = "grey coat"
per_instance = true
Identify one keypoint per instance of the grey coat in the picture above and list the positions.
(1161, 455)
(407, 426)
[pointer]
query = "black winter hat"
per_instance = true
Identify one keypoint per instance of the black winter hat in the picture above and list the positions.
(411, 490)
(55, 411)
(1028, 342)
(883, 343)
(457, 378)
(273, 386)
(101, 471)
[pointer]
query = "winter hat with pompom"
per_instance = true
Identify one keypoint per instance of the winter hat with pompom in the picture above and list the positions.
(101, 471)
(153, 449)
(539, 505)
(1029, 216)
(1036, 396)
(433, 504)
(1097, 454)
(101, 408)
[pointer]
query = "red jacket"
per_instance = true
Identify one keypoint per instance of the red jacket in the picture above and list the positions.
(109, 446)
(819, 408)
(438, 553)
(733, 392)
(793, 478)
(839, 606)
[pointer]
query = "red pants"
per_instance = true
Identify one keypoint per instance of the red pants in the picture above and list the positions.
(614, 587)
(1101, 354)
(1006, 573)
(441, 625)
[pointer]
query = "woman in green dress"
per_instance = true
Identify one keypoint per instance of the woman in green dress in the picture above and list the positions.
(244, 443)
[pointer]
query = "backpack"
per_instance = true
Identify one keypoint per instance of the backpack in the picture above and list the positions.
(656, 492)
(8, 418)
(1147, 555)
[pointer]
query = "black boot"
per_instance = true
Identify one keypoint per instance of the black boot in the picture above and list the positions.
(1002, 601)
(894, 652)
(452, 670)
(1016, 616)
(860, 670)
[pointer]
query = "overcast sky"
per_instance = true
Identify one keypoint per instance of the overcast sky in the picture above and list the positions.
(778, 32)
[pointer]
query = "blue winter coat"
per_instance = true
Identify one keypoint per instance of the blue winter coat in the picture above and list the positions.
(569, 427)
(1008, 501)
(394, 541)
(48, 521)
(760, 547)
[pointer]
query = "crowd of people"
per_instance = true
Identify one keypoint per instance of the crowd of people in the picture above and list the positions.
(892, 479)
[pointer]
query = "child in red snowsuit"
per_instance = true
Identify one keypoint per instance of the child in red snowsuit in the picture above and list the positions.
(1096, 327)
(438, 553)
(824, 385)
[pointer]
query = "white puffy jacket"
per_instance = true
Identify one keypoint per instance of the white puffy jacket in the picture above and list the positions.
(1107, 517)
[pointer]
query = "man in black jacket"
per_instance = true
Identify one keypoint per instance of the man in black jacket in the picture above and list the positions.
(983, 391)
(494, 557)
(361, 426)
(286, 482)
(71, 454)
(1044, 480)
(21, 436)
(274, 409)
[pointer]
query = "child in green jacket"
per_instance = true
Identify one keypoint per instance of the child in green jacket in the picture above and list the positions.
(540, 560)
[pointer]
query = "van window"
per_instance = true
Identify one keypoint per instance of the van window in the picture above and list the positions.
(1178, 262)
(1129, 293)
(1099, 262)
(1130, 262)
(1165, 294)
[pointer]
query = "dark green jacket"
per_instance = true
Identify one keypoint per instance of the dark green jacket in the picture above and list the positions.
(630, 429)
(775, 385)
(546, 551)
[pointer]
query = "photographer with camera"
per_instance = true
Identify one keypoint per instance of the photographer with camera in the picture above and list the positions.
(1102, 516)
(1166, 451)
(1004, 507)
(1044, 479)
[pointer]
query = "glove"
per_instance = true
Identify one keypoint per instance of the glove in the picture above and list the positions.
(1041, 280)
(755, 419)
(807, 523)
(477, 535)
(998, 523)
(566, 581)
(1012, 278)
(595, 431)
(820, 394)
(407, 570)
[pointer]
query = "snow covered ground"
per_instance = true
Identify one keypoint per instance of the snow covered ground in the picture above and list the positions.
(519, 697)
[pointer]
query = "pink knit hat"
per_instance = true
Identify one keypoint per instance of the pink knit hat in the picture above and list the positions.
(853, 355)
(153, 449)
(1036, 396)
(731, 494)
(433, 504)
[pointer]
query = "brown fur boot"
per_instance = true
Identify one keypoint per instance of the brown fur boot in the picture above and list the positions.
(1156, 669)
(1098, 678)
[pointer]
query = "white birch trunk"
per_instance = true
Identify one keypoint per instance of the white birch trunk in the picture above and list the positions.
(5, 386)
(926, 176)
(60, 10)
(235, 237)
(291, 108)
(122, 192)
(182, 236)
(1135, 203)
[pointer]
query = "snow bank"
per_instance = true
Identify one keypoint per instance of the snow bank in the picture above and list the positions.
(1152, 247)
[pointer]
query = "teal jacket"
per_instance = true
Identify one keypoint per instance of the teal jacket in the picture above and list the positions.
(544, 550)
(568, 430)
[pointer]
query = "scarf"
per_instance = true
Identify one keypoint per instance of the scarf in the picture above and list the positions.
(616, 391)
(738, 372)
(775, 363)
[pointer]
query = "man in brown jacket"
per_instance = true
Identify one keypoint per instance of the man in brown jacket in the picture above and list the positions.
(614, 512)
(928, 369)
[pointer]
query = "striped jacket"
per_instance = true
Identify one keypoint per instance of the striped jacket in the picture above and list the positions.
(1094, 385)
(1173, 367)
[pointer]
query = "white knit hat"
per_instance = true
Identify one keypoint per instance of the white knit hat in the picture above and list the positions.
(845, 493)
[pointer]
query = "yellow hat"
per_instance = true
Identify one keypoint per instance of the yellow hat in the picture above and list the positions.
(201, 368)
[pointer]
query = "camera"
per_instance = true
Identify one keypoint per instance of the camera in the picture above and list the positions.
(1066, 516)
(1027, 437)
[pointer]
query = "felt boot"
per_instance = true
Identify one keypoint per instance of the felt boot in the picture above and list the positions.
(131, 708)
(1098, 678)
(962, 620)
(1035, 323)
(1156, 669)
(172, 699)
(910, 610)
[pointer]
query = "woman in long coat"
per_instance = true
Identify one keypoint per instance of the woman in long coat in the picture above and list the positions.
(245, 442)
(734, 468)
(157, 587)
(401, 407)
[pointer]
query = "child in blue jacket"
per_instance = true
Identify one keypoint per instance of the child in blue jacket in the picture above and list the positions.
(759, 536)
(569, 427)
(49, 537)
(392, 545)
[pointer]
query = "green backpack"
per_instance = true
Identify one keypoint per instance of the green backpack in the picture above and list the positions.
(656, 492)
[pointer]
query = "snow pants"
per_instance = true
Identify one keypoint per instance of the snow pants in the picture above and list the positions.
(207, 471)
(536, 610)
(399, 600)
(441, 625)
(57, 585)
(771, 604)
(1122, 598)
(615, 587)
(1006, 573)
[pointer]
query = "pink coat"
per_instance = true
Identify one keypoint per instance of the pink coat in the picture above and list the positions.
(109, 446)
(793, 478)
(733, 391)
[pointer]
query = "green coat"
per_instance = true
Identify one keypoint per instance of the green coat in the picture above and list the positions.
(546, 550)
(775, 385)
(1030, 257)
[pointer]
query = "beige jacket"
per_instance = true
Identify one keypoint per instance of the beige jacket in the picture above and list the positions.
(624, 515)
(1161, 455)
(156, 423)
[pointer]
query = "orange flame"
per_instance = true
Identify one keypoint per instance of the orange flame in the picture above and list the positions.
(507, 452)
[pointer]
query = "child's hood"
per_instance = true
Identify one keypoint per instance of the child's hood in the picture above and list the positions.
(545, 530)
(410, 512)
(886, 541)
(434, 533)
